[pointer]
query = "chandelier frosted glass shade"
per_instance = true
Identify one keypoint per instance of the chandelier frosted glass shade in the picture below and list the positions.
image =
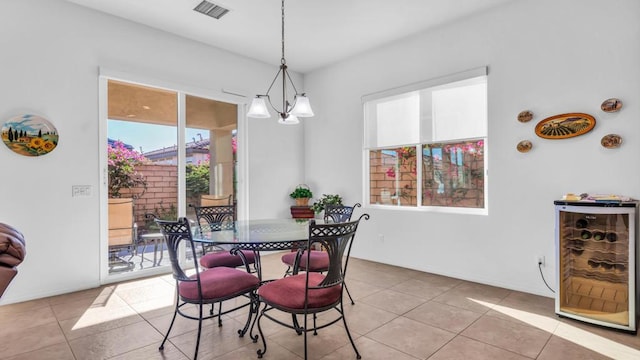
(302, 108)
(290, 120)
(258, 108)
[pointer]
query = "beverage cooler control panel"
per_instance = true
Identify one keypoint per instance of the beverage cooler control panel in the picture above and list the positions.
(596, 251)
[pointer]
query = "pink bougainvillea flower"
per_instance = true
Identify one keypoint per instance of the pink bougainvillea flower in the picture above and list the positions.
(391, 172)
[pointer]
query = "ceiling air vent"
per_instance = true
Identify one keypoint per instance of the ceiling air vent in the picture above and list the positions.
(211, 9)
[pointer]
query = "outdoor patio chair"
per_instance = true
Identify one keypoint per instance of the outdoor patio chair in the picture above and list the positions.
(212, 200)
(312, 293)
(123, 232)
(319, 260)
(210, 286)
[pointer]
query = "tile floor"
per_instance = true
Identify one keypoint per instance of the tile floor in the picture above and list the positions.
(399, 314)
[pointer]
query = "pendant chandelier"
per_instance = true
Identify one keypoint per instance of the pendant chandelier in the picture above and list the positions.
(290, 111)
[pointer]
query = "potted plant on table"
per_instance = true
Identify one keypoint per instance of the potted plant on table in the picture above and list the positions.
(301, 194)
(326, 199)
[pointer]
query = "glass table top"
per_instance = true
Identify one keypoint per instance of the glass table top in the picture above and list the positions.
(272, 234)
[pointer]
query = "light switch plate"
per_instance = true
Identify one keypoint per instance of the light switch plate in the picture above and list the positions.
(81, 190)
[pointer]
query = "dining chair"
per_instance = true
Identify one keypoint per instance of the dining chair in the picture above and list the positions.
(217, 218)
(319, 260)
(210, 286)
(311, 293)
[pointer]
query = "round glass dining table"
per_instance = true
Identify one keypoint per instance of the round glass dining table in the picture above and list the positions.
(256, 235)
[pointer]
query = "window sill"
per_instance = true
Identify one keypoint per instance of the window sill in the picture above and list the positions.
(432, 209)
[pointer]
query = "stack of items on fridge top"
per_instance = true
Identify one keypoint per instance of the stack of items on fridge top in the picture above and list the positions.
(607, 198)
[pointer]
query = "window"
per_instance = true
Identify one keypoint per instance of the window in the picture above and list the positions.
(425, 143)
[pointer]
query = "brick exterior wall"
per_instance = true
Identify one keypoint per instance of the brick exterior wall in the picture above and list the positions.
(471, 195)
(161, 194)
(383, 185)
(390, 187)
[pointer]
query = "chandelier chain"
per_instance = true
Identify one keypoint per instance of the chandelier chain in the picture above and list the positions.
(258, 105)
(282, 60)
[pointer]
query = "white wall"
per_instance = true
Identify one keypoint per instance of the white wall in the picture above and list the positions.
(51, 53)
(547, 56)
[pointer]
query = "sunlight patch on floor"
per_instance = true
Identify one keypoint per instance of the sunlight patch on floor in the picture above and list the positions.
(109, 307)
(541, 322)
(568, 332)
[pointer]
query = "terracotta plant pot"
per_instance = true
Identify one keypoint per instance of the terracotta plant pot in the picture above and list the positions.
(302, 201)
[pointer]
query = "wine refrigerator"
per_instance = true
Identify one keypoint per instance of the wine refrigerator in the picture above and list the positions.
(596, 253)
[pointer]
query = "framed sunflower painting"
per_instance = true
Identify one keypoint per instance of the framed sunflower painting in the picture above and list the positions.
(29, 135)
(565, 126)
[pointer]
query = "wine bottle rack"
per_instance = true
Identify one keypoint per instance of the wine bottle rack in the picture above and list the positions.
(595, 247)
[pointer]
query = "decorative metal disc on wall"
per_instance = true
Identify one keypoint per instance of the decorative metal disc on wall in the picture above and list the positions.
(565, 126)
(29, 135)
(611, 105)
(524, 146)
(525, 116)
(611, 141)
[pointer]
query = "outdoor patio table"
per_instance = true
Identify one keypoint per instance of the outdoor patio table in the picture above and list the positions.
(157, 239)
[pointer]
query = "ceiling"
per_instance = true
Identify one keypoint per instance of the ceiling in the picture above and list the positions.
(142, 104)
(317, 32)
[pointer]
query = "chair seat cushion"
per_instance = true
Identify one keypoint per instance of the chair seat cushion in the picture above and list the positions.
(217, 283)
(288, 292)
(319, 260)
(226, 259)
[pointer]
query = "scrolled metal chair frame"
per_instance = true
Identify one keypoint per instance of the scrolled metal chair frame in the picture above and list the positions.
(339, 213)
(337, 239)
(174, 233)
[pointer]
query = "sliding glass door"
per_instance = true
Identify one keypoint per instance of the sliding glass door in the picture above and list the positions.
(210, 148)
(165, 149)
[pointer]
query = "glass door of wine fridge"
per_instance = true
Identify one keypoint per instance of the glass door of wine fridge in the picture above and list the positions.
(596, 254)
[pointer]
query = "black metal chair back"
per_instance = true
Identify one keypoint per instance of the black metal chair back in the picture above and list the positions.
(339, 213)
(174, 233)
(332, 214)
(217, 217)
(321, 292)
(224, 284)
(336, 239)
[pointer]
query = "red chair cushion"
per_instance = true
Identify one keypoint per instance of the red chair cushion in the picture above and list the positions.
(224, 258)
(319, 261)
(289, 292)
(218, 283)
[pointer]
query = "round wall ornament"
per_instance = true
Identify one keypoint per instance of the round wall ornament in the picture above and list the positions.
(525, 116)
(611, 141)
(611, 105)
(29, 135)
(524, 146)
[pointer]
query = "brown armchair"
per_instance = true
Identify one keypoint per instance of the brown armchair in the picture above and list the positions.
(12, 252)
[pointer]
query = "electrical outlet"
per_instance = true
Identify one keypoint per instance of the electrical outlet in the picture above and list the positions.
(540, 260)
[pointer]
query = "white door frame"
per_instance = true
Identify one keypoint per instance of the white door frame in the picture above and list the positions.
(182, 90)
